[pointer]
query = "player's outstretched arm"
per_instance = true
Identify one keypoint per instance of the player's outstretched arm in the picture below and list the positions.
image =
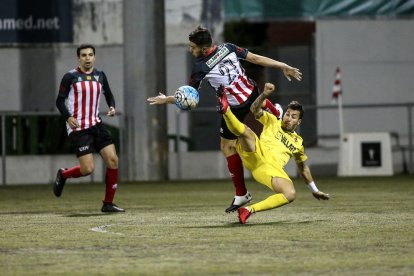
(288, 71)
(161, 99)
(307, 176)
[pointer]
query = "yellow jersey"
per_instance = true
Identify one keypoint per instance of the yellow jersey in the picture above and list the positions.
(278, 145)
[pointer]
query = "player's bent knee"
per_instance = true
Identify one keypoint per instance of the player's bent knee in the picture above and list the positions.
(290, 195)
(228, 147)
(87, 170)
(248, 132)
(113, 163)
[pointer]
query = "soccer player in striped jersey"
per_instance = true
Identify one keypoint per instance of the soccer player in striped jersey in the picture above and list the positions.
(219, 65)
(78, 102)
(266, 157)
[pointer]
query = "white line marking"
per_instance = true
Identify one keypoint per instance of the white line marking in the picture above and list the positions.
(103, 229)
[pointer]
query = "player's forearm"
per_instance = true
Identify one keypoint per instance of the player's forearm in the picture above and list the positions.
(161, 99)
(164, 100)
(256, 107)
(110, 100)
(305, 173)
(170, 100)
(60, 104)
(265, 61)
(307, 176)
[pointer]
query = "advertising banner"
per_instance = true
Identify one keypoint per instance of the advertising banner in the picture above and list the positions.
(40, 21)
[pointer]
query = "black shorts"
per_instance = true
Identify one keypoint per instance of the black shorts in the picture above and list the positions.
(87, 140)
(240, 112)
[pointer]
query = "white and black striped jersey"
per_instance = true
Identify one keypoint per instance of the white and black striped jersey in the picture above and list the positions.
(79, 96)
(222, 67)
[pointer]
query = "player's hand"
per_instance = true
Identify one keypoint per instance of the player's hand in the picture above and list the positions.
(268, 89)
(160, 99)
(320, 195)
(289, 71)
(72, 122)
(111, 111)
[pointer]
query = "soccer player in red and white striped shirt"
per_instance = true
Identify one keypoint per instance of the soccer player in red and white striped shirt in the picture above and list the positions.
(219, 66)
(78, 102)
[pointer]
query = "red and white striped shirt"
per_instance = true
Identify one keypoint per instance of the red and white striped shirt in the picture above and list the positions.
(221, 67)
(81, 93)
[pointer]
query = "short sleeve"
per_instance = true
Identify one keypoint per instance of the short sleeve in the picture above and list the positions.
(267, 118)
(300, 155)
(240, 52)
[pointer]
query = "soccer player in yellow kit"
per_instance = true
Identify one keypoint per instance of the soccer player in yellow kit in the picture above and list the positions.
(266, 157)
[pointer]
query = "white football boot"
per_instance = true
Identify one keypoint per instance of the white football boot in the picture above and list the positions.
(238, 202)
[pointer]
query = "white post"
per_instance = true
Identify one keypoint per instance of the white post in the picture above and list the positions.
(341, 118)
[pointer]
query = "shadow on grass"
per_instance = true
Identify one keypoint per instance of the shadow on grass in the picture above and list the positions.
(73, 215)
(236, 224)
(89, 215)
(26, 213)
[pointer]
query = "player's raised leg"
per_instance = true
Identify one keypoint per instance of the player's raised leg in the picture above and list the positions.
(234, 162)
(276, 109)
(246, 137)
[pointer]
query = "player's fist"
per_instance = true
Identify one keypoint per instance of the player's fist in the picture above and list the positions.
(268, 88)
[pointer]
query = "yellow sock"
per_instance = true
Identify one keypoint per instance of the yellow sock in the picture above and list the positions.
(271, 202)
(234, 125)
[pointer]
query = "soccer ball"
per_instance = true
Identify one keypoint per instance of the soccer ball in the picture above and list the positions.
(186, 97)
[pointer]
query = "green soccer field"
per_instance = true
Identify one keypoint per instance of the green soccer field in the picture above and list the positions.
(180, 228)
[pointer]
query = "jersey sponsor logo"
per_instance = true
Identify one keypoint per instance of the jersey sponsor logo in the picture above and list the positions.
(223, 52)
(282, 138)
(279, 136)
(83, 148)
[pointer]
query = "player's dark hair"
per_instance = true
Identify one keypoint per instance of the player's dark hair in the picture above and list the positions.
(295, 105)
(85, 46)
(201, 37)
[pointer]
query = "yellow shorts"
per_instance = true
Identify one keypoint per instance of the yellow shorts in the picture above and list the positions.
(262, 170)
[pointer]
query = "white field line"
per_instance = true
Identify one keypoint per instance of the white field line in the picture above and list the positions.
(103, 229)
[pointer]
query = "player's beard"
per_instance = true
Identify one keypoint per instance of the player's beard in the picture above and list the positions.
(287, 127)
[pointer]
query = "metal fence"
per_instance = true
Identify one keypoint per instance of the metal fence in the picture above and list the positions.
(39, 133)
(405, 123)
